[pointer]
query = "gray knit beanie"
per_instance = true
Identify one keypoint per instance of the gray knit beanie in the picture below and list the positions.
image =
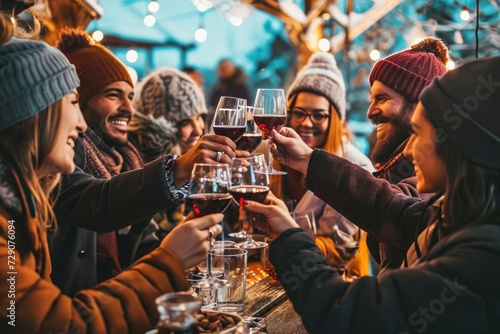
(34, 76)
(169, 93)
(321, 76)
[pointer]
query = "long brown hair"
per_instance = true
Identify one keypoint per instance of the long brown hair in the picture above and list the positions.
(30, 142)
(334, 141)
(471, 192)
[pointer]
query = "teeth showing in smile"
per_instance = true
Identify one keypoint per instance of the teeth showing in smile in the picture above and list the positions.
(307, 135)
(122, 123)
(71, 142)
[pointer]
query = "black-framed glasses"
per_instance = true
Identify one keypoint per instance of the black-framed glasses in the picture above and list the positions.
(317, 118)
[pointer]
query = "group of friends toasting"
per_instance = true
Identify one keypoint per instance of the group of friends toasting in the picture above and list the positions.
(94, 177)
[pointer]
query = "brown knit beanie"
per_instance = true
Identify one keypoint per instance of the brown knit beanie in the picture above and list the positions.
(169, 93)
(409, 71)
(321, 76)
(96, 66)
(464, 104)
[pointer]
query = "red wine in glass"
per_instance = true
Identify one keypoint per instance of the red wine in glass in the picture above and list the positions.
(232, 132)
(205, 204)
(249, 141)
(249, 192)
(267, 123)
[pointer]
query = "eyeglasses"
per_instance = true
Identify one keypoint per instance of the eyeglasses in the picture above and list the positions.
(317, 118)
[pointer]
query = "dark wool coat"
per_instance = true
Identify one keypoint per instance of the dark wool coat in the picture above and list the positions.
(452, 288)
(87, 205)
(124, 304)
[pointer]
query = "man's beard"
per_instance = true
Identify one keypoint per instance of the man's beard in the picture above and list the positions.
(401, 127)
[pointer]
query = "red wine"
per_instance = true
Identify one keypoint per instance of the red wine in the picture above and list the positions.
(232, 132)
(249, 192)
(249, 141)
(205, 204)
(267, 123)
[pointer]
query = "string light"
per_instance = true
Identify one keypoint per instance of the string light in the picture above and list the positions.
(149, 20)
(201, 33)
(374, 54)
(132, 56)
(98, 35)
(324, 44)
(465, 14)
(450, 64)
(153, 6)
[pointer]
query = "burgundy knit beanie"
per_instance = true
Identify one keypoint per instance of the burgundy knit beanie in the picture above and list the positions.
(409, 71)
(96, 66)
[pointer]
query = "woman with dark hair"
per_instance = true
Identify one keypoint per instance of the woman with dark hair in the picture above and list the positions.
(40, 120)
(449, 279)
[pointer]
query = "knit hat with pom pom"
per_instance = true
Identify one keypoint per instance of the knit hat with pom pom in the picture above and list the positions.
(95, 65)
(409, 71)
(321, 76)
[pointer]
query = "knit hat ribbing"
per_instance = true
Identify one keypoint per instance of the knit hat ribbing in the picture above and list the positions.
(96, 66)
(34, 76)
(321, 76)
(169, 93)
(409, 71)
(464, 104)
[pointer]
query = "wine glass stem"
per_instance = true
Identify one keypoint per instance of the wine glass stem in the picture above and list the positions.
(269, 155)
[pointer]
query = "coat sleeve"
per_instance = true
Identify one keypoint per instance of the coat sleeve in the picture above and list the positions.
(440, 294)
(373, 204)
(108, 205)
(124, 304)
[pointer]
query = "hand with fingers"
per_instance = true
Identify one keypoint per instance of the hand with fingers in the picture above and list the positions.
(210, 149)
(192, 239)
(276, 215)
(289, 149)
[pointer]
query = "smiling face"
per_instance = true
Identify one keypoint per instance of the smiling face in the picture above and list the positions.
(60, 157)
(190, 130)
(391, 113)
(109, 112)
(421, 150)
(314, 135)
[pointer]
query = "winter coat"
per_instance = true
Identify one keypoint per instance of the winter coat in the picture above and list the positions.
(452, 287)
(87, 205)
(325, 217)
(34, 304)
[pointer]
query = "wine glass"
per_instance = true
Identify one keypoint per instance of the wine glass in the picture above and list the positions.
(306, 223)
(347, 245)
(230, 117)
(269, 112)
(208, 193)
(249, 181)
(252, 137)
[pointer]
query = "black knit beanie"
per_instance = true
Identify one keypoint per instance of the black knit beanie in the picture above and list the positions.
(465, 104)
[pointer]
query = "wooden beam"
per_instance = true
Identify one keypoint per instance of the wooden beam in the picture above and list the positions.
(364, 21)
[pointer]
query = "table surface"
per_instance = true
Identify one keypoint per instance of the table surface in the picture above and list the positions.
(267, 298)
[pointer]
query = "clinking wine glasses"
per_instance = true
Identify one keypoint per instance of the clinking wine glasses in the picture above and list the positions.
(269, 112)
(252, 137)
(209, 193)
(249, 181)
(230, 117)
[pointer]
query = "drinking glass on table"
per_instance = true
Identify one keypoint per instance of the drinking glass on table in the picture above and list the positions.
(252, 137)
(249, 181)
(208, 193)
(269, 112)
(306, 222)
(230, 117)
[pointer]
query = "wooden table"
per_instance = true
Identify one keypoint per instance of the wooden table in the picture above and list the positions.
(266, 298)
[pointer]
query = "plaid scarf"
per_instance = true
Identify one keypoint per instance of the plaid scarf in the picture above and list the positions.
(104, 162)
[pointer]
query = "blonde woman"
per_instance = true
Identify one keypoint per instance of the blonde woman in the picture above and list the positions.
(316, 111)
